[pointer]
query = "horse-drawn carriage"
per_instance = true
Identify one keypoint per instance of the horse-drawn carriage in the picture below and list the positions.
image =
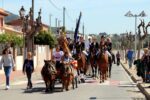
(66, 74)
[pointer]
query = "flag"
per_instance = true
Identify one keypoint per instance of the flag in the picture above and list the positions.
(77, 28)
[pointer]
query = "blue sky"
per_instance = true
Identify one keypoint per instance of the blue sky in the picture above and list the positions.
(98, 15)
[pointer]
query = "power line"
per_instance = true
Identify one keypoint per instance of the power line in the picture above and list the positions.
(54, 5)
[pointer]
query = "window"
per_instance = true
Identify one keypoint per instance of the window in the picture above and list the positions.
(1, 22)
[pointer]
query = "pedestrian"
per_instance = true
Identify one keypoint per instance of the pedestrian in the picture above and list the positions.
(146, 64)
(28, 68)
(8, 64)
(118, 58)
(130, 56)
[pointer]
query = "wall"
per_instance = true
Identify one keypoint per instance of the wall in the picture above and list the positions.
(42, 53)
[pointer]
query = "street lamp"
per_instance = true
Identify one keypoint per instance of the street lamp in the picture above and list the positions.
(22, 12)
(129, 14)
(29, 29)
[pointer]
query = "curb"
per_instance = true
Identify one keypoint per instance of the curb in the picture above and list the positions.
(142, 89)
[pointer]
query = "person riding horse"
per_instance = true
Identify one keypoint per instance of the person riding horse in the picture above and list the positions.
(80, 45)
(93, 55)
(94, 47)
(109, 48)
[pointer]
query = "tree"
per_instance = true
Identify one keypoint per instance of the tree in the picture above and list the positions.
(141, 37)
(13, 40)
(45, 38)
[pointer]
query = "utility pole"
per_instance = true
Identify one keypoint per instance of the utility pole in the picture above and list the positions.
(32, 21)
(50, 21)
(64, 12)
(56, 21)
(33, 10)
(59, 23)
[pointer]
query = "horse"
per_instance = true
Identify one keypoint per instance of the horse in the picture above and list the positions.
(102, 61)
(48, 73)
(82, 65)
(67, 77)
(93, 63)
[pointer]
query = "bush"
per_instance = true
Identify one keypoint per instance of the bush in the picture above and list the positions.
(45, 38)
(10, 38)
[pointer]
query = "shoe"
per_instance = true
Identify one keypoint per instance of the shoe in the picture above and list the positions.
(27, 87)
(7, 87)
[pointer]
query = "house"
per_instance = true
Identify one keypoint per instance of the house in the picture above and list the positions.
(3, 14)
(13, 25)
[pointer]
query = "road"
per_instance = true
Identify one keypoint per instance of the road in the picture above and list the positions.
(118, 87)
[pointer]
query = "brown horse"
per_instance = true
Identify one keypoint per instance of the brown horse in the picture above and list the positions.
(93, 64)
(67, 77)
(48, 73)
(102, 61)
(82, 65)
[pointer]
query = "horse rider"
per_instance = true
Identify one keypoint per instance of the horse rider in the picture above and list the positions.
(80, 46)
(102, 44)
(109, 48)
(94, 48)
(109, 45)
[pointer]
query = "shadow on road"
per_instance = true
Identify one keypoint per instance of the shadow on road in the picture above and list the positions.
(42, 90)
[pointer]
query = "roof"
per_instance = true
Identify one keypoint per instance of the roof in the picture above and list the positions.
(10, 17)
(18, 22)
(3, 12)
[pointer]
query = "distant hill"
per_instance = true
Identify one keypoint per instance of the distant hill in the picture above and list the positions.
(10, 17)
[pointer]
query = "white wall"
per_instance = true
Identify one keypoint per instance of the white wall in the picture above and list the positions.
(42, 53)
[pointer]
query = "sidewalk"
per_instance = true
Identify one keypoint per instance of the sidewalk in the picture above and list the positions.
(144, 87)
(15, 75)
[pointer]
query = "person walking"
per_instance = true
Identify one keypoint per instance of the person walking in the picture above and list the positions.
(130, 57)
(146, 64)
(8, 63)
(118, 58)
(28, 68)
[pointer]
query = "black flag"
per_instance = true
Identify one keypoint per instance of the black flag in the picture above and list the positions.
(77, 28)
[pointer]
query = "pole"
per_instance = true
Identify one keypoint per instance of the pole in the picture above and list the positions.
(33, 9)
(59, 23)
(32, 20)
(56, 20)
(135, 34)
(83, 30)
(64, 11)
(50, 16)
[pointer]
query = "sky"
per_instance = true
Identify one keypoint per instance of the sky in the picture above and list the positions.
(97, 15)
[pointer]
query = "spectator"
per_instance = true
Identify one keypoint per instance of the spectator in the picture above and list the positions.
(118, 58)
(145, 59)
(28, 68)
(130, 54)
(8, 63)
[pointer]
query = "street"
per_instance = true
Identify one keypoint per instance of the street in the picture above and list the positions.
(119, 87)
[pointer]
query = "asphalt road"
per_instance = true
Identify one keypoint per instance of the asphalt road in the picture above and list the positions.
(118, 87)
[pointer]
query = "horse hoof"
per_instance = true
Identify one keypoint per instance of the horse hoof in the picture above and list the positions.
(46, 90)
(82, 80)
(67, 89)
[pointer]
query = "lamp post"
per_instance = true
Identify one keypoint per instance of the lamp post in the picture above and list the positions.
(129, 14)
(29, 29)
